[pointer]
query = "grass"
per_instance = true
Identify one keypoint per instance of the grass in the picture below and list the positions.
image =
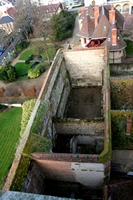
(51, 53)
(22, 68)
(129, 48)
(25, 55)
(9, 137)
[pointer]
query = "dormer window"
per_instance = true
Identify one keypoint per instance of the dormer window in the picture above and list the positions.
(105, 29)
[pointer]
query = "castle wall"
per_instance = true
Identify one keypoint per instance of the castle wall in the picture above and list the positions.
(77, 127)
(85, 66)
(73, 172)
(123, 69)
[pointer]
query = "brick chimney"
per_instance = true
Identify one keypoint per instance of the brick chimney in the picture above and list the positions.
(96, 14)
(112, 15)
(114, 36)
(82, 11)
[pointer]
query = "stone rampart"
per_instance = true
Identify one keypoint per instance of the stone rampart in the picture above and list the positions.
(85, 66)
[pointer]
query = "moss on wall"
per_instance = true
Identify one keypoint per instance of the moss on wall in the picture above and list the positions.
(120, 140)
(121, 94)
(36, 126)
(27, 108)
(35, 143)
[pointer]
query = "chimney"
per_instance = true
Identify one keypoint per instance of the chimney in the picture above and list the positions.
(82, 11)
(96, 14)
(114, 36)
(93, 3)
(112, 15)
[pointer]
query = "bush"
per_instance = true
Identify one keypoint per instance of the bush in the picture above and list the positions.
(8, 73)
(27, 62)
(31, 57)
(14, 55)
(33, 73)
(42, 67)
(22, 45)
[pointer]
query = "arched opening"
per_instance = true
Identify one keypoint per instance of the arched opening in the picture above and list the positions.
(118, 7)
(132, 9)
(125, 8)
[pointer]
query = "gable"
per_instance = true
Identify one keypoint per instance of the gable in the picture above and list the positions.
(102, 29)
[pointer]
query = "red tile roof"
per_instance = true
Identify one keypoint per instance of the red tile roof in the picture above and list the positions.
(103, 28)
(11, 11)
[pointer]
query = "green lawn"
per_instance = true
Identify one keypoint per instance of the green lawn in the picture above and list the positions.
(25, 55)
(51, 53)
(9, 136)
(22, 68)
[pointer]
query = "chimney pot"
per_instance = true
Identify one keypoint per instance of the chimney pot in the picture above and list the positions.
(112, 16)
(96, 14)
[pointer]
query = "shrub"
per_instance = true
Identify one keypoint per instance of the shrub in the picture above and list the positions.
(33, 73)
(27, 109)
(31, 57)
(22, 45)
(42, 67)
(27, 62)
(14, 55)
(8, 73)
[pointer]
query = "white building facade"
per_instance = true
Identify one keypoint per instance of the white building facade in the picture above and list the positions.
(123, 6)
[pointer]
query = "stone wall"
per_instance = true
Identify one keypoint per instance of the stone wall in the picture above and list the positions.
(35, 181)
(77, 127)
(85, 66)
(55, 94)
(73, 172)
(123, 69)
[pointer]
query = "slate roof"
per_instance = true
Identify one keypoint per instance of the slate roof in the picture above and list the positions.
(87, 28)
(6, 19)
(51, 8)
(120, 42)
(103, 29)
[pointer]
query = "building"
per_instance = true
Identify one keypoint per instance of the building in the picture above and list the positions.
(78, 160)
(103, 25)
(121, 5)
(6, 23)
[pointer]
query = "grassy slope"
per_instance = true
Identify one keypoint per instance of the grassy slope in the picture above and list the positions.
(9, 136)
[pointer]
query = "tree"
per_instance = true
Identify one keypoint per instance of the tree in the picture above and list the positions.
(61, 25)
(24, 17)
(41, 29)
(8, 73)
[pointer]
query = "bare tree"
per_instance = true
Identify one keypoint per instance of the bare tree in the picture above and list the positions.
(41, 29)
(24, 17)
